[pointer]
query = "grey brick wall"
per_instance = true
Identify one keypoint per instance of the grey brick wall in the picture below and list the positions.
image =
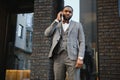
(108, 25)
(40, 65)
(44, 13)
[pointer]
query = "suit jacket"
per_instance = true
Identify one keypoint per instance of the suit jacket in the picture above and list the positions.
(75, 40)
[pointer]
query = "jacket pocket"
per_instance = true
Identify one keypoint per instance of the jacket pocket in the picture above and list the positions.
(75, 49)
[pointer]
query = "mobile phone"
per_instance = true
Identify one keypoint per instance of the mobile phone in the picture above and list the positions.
(61, 16)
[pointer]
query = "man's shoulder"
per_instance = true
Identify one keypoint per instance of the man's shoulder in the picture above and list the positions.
(75, 22)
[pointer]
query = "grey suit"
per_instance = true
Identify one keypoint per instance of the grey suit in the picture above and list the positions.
(65, 61)
(75, 42)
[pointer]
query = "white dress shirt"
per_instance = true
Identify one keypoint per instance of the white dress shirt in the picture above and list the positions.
(65, 26)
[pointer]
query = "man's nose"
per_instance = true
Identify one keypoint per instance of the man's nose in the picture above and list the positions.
(68, 12)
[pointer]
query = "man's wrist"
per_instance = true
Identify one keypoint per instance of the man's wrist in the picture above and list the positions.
(81, 58)
(56, 20)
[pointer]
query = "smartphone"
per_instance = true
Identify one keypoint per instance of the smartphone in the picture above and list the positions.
(61, 16)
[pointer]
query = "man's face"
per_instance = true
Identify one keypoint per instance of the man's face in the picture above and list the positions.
(67, 13)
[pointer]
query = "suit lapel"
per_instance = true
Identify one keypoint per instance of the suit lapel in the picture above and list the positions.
(70, 27)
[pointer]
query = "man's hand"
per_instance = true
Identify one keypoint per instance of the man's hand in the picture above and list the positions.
(59, 16)
(79, 63)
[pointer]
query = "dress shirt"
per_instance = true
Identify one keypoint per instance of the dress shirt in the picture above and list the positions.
(64, 25)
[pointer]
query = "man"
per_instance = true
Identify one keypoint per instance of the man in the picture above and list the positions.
(68, 45)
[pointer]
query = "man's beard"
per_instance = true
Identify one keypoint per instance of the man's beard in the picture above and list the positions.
(66, 18)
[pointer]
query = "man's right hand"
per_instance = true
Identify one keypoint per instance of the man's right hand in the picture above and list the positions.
(59, 16)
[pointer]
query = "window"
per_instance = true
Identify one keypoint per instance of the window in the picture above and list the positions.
(20, 31)
(29, 39)
(119, 7)
(24, 32)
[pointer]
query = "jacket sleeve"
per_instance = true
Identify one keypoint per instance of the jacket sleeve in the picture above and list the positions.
(51, 29)
(81, 38)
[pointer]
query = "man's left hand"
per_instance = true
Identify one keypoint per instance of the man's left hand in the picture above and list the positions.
(79, 63)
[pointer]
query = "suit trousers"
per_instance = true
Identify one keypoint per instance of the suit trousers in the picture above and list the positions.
(62, 65)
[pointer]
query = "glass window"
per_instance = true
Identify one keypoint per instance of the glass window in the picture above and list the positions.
(24, 31)
(119, 7)
(29, 39)
(20, 31)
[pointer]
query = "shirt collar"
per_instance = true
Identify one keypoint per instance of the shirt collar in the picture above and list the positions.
(66, 22)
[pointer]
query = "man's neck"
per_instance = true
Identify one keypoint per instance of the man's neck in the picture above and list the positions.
(66, 21)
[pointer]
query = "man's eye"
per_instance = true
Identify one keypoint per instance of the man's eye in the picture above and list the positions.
(66, 11)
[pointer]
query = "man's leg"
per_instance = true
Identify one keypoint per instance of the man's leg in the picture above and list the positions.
(59, 71)
(59, 67)
(73, 73)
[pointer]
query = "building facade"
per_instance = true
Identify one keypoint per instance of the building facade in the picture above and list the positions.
(105, 33)
(108, 26)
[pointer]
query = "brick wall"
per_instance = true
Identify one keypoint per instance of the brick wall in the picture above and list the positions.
(108, 25)
(44, 13)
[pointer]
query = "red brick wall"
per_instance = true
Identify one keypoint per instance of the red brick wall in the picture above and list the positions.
(108, 25)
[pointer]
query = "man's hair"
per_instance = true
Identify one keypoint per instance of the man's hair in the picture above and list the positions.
(68, 6)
